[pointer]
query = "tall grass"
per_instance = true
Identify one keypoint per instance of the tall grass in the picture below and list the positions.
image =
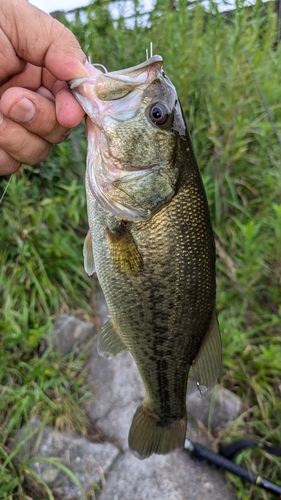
(226, 70)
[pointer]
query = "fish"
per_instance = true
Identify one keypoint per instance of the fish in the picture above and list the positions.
(151, 244)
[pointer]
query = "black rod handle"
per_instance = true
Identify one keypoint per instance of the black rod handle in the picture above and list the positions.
(269, 486)
(199, 451)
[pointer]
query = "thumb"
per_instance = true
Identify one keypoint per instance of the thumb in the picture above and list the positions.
(41, 40)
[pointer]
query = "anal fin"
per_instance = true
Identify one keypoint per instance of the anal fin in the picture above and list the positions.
(207, 364)
(109, 342)
(88, 254)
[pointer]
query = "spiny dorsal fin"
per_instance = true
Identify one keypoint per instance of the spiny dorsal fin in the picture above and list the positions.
(109, 342)
(88, 254)
(207, 364)
(124, 251)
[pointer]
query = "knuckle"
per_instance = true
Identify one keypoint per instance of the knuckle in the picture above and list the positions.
(34, 149)
(61, 136)
(8, 164)
(21, 146)
(42, 154)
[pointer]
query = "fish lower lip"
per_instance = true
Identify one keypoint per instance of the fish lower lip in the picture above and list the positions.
(76, 82)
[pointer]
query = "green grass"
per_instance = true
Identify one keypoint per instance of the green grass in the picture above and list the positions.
(43, 221)
(227, 73)
(49, 386)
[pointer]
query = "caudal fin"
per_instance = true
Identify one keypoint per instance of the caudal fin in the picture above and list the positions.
(148, 436)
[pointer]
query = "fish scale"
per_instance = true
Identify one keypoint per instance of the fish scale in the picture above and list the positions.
(152, 244)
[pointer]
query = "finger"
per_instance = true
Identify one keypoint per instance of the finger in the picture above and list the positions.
(22, 145)
(29, 78)
(10, 64)
(69, 112)
(32, 78)
(42, 40)
(8, 164)
(36, 113)
(46, 93)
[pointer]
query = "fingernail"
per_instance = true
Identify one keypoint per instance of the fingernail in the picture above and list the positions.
(88, 65)
(22, 111)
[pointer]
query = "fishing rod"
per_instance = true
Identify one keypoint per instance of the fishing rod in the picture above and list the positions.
(222, 460)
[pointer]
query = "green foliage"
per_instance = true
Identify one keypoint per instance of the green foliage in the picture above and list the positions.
(43, 221)
(46, 385)
(226, 70)
(49, 386)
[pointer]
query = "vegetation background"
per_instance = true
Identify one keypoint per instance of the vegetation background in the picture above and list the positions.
(227, 72)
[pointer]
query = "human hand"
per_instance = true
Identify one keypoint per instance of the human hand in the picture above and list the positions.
(37, 56)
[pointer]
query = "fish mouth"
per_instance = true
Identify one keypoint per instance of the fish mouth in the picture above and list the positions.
(105, 85)
(99, 93)
(124, 81)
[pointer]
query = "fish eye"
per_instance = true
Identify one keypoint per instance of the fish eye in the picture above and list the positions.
(158, 113)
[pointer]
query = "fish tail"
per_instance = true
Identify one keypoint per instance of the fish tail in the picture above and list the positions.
(148, 435)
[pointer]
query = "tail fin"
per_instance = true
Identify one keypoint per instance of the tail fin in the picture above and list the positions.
(148, 436)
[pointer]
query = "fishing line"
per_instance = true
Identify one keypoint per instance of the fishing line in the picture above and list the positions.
(97, 65)
(150, 49)
(5, 190)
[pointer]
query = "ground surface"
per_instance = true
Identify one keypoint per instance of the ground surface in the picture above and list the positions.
(102, 461)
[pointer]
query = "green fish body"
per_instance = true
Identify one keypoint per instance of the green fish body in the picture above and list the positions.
(151, 244)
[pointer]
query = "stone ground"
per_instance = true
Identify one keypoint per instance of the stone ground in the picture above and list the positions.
(118, 390)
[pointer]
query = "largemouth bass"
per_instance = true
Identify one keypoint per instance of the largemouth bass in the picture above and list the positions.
(151, 244)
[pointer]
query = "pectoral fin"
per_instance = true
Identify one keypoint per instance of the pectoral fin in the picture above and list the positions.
(88, 254)
(109, 342)
(124, 251)
(207, 364)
